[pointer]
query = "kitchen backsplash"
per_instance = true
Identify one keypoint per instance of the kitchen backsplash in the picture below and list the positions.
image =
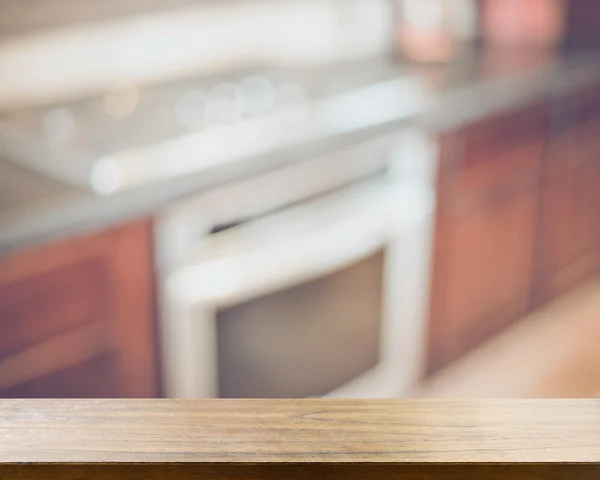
(22, 16)
(53, 64)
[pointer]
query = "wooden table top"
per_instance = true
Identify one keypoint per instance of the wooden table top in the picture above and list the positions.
(300, 431)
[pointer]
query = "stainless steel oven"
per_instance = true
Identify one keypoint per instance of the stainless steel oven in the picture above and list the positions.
(306, 281)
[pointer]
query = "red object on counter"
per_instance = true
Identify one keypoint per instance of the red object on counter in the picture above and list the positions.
(523, 22)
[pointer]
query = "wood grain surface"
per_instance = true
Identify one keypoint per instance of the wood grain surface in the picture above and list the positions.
(299, 439)
(304, 431)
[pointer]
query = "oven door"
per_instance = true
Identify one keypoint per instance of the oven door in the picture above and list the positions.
(325, 298)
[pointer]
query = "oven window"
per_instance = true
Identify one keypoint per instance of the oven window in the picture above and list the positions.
(304, 341)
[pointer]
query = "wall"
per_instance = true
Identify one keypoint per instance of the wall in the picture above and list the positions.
(54, 64)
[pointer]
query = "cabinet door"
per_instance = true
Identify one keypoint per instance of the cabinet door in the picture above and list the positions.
(76, 317)
(92, 378)
(570, 230)
(485, 234)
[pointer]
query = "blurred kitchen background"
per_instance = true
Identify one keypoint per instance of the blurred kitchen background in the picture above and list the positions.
(299, 198)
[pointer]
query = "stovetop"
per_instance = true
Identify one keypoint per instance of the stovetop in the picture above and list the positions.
(131, 115)
(134, 134)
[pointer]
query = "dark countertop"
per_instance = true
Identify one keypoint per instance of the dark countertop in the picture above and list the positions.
(35, 209)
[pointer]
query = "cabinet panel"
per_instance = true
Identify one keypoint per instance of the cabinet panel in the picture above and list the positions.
(36, 307)
(486, 263)
(93, 378)
(64, 304)
(485, 233)
(570, 212)
(492, 138)
(490, 257)
(54, 354)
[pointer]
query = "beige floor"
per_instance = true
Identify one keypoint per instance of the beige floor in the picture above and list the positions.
(554, 352)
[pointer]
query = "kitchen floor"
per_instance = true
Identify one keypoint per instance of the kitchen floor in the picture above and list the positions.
(554, 352)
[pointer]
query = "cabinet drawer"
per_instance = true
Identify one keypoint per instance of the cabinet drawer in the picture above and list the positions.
(490, 140)
(54, 354)
(493, 183)
(77, 318)
(93, 378)
(35, 308)
(483, 268)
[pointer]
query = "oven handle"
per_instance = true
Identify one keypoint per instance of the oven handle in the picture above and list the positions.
(300, 244)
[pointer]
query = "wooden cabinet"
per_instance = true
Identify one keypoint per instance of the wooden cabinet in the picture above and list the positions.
(518, 218)
(76, 317)
(485, 230)
(570, 214)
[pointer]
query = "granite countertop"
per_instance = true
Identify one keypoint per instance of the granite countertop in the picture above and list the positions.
(35, 209)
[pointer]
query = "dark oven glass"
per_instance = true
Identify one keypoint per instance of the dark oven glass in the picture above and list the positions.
(306, 340)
